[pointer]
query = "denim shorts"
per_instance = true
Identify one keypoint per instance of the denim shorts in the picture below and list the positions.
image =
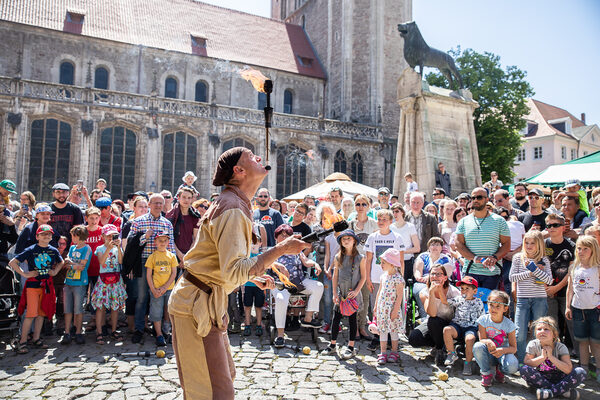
(586, 324)
(253, 295)
(157, 306)
(74, 297)
(462, 332)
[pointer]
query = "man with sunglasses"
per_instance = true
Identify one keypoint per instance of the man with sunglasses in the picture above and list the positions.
(383, 197)
(298, 225)
(535, 218)
(267, 216)
(502, 199)
(482, 238)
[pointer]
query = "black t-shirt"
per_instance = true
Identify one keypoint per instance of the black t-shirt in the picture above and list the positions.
(63, 220)
(302, 228)
(270, 219)
(523, 207)
(560, 256)
(40, 259)
(528, 220)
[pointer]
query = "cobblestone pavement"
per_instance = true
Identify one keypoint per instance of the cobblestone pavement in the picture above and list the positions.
(69, 372)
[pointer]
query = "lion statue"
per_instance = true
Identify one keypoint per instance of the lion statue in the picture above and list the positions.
(417, 52)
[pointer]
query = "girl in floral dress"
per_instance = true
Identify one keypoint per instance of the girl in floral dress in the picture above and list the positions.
(109, 292)
(388, 307)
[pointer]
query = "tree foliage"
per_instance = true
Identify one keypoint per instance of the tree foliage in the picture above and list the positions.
(501, 95)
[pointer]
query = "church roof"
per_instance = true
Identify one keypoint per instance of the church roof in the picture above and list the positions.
(185, 26)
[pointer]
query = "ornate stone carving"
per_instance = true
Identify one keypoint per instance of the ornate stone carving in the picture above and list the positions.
(14, 119)
(87, 126)
(152, 132)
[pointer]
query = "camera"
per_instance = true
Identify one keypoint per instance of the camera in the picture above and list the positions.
(115, 237)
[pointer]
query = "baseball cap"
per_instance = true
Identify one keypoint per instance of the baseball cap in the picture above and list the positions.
(468, 280)
(384, 189)
(61, 186)
(44, 228)
(44, 208)
(103, 202)
(163, 233)
(109, 229)
(537, 191)
(463, 196)
(572, 182)
(9, 185)
(141, 193)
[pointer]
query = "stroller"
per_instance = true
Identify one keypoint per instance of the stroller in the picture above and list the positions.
(9, 300)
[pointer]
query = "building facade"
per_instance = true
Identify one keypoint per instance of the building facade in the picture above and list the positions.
(139, 92)
(553, 136)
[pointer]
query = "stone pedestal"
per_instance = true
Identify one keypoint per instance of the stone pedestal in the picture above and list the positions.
(435, 125)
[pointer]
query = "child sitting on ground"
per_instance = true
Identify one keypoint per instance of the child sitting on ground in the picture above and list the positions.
(43, 262)
(161, 270)
(497, 340)
(548, 366)
(467, 311)
(387, 310)
(109, 292)
(75, 290)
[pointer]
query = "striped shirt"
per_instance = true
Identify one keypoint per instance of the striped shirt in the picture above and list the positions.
(529, 286)
(482, 238)
(160, 224)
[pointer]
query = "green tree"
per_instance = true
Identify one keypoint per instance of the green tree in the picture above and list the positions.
(501, 94)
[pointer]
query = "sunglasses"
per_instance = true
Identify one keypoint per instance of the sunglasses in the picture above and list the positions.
(167, 197)
(203, 206)
(479, 197)
(534, 196)
(438, 194)
(262, 196)
(554, 225)
(360, 204)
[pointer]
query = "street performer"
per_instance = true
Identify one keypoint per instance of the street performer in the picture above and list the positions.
(218, 262)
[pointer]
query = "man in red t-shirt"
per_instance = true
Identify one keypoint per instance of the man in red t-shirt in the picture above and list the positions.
(94, 240)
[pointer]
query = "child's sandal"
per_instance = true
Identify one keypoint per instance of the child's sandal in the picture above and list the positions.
(21, 348)
(40, 344)
(100, 339)
(381, 359)
(392, 357)
(116, 336)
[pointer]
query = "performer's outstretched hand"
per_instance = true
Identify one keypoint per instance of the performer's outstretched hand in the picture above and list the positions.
(264, 282)
(293, 245)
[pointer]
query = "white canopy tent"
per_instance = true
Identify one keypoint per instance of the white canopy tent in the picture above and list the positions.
(586, 169)
(335, 180)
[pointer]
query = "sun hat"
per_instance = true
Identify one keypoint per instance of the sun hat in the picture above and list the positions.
(109, 229)
(347, 232)
(44, 228)
(572, 182)
(189, 173)
(392, 256)
(9, 186)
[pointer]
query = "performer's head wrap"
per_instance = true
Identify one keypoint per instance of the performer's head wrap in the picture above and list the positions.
(227, 161)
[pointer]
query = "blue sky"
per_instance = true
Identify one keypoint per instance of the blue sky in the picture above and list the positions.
(556, 42)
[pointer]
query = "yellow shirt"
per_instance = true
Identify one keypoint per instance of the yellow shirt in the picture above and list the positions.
(220, 257)
(162, 264)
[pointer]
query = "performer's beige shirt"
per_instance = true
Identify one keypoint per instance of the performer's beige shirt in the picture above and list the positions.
(219, 258)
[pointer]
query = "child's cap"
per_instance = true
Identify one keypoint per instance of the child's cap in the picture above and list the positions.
(468, 280)
(347, 232)
(103, 202)
(392, 256)
(44, 208)
(163, 233)
(572, 182)
(44, 228)
(109, 229)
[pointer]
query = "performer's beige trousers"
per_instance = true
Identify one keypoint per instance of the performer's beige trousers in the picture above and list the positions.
(205, 366)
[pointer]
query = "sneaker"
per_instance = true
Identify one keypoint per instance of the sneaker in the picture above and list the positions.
(572, 394)
(312, 324)
(137, 337)
(499, 376)
(66, 339)
(329, 350)
(543, 394)
(486, 380)
(324, 328)
(348, 353)
(160, 341)
(279, 342)
(79, 338)
(468, 368)
(451, 358)
(374, 345)
(247, 330)
(259, 331)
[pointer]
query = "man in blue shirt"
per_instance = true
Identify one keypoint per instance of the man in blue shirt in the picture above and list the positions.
(267, 216)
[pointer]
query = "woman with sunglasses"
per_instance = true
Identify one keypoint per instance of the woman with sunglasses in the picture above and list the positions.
(363, 226)
(200, 205)
(435, 300)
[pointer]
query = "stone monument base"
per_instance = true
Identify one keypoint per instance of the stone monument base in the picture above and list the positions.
(435, 125)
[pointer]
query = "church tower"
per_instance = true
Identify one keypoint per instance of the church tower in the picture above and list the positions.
(358, 44)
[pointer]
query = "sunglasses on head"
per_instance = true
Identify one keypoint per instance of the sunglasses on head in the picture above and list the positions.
(479, 197)
(554, 225)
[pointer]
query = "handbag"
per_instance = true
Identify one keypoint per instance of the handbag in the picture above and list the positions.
(108, 278)
(348, 306)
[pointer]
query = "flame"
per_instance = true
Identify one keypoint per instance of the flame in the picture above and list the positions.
(284, 279)
(255, 77)
(329, 219)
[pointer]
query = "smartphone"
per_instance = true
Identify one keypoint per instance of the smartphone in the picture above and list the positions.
(80, 184)
(531, 266)
(25, 207)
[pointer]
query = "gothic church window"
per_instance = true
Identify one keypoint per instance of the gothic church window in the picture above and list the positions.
(101, 78)
(237, 142)
(49, 155)
(171, 88)
(339, 162)
(179, 156)
(356, 168)
(67, 73)
(201, 92)
(288, 99)
(117, 160)
(291, 170)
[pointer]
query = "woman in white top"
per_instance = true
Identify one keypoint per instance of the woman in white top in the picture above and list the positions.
(409, 235)
(448, 226)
